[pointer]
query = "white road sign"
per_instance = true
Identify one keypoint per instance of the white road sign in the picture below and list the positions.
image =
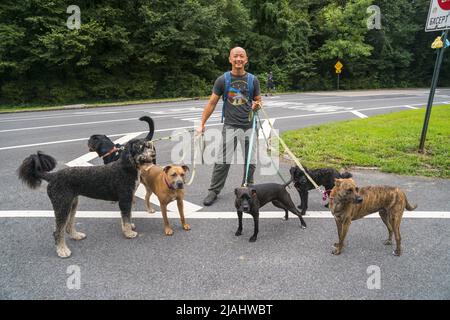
(438, 16)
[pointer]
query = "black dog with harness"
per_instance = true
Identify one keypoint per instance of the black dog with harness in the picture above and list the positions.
(109, 151)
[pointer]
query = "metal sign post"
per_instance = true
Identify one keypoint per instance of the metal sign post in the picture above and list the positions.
(338, 66)
(438, 19)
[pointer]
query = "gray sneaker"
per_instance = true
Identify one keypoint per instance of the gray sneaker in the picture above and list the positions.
(210, 198)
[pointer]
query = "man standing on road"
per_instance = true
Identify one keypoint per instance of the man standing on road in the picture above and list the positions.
(270, 84)
(237, 107)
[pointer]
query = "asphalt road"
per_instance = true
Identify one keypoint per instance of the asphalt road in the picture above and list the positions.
(209, 262)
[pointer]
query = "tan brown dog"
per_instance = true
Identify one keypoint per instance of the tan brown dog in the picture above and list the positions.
(348, 203)
(168, 185)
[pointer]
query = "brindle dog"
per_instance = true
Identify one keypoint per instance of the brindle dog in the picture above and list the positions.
(348, 203)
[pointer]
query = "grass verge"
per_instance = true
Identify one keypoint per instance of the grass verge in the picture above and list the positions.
(388, 142)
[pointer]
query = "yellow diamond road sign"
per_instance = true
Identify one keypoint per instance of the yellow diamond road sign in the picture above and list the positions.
(338, 65)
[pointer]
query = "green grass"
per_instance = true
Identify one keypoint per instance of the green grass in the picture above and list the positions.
(388, 142)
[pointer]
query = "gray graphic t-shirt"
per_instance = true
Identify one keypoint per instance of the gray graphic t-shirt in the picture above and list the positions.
(238, 104)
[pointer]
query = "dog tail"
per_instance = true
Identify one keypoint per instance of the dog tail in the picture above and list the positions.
(34, 168)
(151, 126)
(408, 206)
(346, 175)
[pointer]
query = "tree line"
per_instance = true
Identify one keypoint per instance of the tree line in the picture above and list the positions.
(169, 48)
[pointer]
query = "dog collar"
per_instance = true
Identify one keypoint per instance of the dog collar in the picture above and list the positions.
(168, 184)
(114, 149)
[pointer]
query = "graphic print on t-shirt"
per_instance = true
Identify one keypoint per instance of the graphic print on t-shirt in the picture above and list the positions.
(236, 92)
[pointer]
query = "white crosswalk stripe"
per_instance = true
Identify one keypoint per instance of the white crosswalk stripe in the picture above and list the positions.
(210, 215)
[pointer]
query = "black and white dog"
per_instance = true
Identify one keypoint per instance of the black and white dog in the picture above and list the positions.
(323, 177)
(116, 181)
(109, 151)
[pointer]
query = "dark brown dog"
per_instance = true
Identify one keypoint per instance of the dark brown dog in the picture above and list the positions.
(168, 185)
(348, 203)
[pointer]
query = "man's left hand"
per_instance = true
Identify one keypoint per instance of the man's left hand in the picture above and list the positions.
(256, 105)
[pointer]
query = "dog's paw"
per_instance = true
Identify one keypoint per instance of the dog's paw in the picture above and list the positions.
(130, 234)
(186, 227)
(238, 233)
(397, 253)
(168, 231)
(133, 226)
(336, 251)
(303, 226)
(387, 242)
(78, 236)
(252, 239)
(63, 252)
(151, 210)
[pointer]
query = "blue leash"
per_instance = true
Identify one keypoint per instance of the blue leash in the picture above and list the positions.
(250, 148)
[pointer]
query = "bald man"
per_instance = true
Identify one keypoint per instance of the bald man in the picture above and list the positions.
(237, 125)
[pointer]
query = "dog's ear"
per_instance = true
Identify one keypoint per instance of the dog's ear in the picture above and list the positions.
(357, 190)
(236, 191)
(167, 168)
(185, 168)
(337, 182)
(130, 150)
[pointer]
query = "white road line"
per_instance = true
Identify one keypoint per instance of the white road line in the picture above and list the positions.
(338, 112)
(334, 101)
(410, 107)
(85, 139)
(178, 110)
(199, 117)
(209, 215)
(215, 124)
(67, 125)
(82, 114)
(42, 144)
(88, 113)
(83, 123)
(359, 114)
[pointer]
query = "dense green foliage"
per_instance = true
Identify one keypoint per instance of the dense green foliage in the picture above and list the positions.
(166, 48)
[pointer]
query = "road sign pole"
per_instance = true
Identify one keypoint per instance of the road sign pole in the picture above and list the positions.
(434, 83)
(338, 81)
